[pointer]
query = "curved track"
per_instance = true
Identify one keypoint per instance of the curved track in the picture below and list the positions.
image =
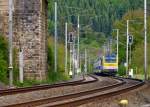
(83, 97)
(127, 85)
(44, 87)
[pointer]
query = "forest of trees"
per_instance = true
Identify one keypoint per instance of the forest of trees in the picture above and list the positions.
(98, 18)
(99, 14)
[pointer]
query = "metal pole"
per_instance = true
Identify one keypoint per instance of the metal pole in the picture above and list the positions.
(117, 46)
(80, 62)
(21, 66)
(145, 39)
(10, 44)
(66, 34)
(83, 71)
(73, 57)
(110, 45)
(127, 48)
(104, 49)
(89, 64)
(85, 61)
(55, 53)
(130, 56)
(78, 56)
(80, 65)
(70, 72)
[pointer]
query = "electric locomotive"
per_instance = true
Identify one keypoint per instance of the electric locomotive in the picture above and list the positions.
(108, 64)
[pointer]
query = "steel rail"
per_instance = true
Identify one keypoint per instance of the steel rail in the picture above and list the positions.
(68, 96)
(90, 98)
(45, 87)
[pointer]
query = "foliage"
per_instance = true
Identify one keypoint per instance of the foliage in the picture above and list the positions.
(96, 19)
(121, 70)
(136, 28)
(28, 83)
(51, 54)
(60, 74)
(53, 77)
(3, 59)
(100, 14)
(56, 76)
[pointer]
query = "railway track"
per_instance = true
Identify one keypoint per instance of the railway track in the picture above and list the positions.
(127, 85)
(45, 87)
(83, 97)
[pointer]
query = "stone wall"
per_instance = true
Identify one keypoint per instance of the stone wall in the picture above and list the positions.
(30, 32)
(4, 17)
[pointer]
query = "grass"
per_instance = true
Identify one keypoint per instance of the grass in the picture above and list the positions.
(53, 77)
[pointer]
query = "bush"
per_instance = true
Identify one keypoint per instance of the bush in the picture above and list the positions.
(3, 59)
(54, 77)
(60, 74)
(121, 70)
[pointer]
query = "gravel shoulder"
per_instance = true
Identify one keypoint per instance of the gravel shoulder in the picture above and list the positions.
(136, 98)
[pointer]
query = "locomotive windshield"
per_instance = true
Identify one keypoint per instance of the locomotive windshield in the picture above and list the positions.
(110, 59)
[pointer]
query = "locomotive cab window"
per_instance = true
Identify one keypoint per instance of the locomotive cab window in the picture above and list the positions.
(110, 60)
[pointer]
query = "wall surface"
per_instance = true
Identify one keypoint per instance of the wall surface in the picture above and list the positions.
(29, 36)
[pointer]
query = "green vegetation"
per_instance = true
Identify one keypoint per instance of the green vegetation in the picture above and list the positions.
(53, 77)
(3, 59)
(136, 29)
(99, 13)
(121, 70)
(60, 74)
(96, 18)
